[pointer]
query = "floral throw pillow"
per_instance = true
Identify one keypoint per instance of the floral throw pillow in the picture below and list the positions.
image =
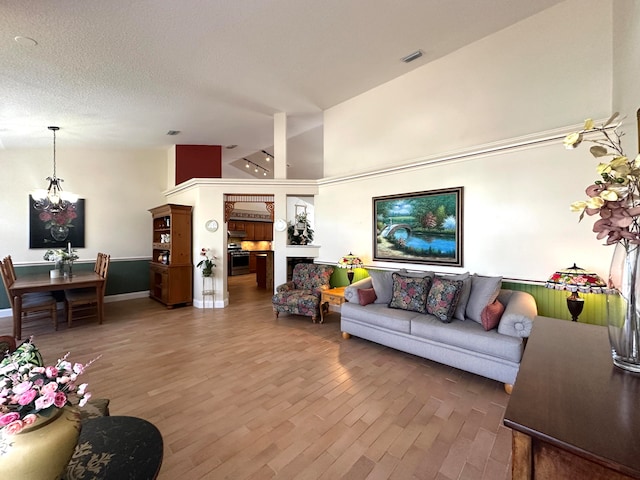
(27, 353)
(443, 298)
(410, 293)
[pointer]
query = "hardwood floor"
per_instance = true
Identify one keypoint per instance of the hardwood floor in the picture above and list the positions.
(238, 394)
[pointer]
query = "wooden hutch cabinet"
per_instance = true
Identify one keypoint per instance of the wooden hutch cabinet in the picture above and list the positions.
(171, 270)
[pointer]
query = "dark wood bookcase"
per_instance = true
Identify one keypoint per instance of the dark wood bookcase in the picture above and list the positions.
(171, 268)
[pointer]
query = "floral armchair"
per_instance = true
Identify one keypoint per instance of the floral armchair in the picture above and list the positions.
(301, 295)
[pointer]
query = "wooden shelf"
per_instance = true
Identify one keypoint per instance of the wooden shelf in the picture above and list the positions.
(171, 268)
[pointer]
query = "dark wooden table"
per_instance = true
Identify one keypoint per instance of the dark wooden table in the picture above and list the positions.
(574, 415)
(116, 448)
(44, 283)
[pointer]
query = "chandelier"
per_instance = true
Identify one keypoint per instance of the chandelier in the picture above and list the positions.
(53, 199)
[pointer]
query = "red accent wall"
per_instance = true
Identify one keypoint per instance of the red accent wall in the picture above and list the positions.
(198, 161)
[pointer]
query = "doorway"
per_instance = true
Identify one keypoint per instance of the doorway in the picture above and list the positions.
(249, 222)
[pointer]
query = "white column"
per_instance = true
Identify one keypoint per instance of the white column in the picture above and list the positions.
(279, 243)
(280, 145)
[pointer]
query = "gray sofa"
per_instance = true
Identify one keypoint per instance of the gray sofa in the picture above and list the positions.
(466, 345)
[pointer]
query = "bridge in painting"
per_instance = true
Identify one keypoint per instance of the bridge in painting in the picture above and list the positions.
(391, 229)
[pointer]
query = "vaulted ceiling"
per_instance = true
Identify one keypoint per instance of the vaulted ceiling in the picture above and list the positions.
(121, 73)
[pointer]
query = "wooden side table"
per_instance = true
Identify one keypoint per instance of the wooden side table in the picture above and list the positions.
(572, 412)
(333, 296)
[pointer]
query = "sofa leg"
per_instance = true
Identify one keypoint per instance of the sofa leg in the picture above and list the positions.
(508, 387)
(314, 318)
(346, 335)
(276, 312)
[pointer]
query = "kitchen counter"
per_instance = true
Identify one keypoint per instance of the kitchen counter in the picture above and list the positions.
(264, 269)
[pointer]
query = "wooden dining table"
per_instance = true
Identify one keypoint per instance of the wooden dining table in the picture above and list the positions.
(44, 283)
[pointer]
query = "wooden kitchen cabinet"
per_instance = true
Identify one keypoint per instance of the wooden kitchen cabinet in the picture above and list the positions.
(250, 228)
(171, 270)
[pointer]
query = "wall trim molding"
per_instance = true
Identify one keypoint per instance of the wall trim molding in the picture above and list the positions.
(476, 152)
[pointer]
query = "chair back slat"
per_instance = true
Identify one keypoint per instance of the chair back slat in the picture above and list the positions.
(7, 278)
(10, 269)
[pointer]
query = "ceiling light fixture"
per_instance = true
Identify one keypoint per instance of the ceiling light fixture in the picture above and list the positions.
(256, 167)
(53, 199)
(412, 56)
(268, 156)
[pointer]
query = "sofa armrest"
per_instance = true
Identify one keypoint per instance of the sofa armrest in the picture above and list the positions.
(351, 292)
(285, 287)
(519, 312)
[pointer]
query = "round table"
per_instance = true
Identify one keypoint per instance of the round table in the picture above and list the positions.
(116, 447)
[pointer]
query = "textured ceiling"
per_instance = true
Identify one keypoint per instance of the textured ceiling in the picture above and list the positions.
(122, 73)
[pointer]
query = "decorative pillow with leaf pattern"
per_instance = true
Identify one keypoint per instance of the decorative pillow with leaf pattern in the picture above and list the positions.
(24, 354)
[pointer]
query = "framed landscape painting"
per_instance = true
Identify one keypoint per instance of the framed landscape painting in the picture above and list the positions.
(420, 227)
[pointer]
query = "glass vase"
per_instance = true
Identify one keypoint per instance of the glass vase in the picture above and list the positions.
(622, 307)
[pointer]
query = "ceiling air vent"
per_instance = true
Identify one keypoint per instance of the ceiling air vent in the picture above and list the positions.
(412, 56)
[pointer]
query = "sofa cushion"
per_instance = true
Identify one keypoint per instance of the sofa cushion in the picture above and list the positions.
(443, 296)
(459, 314)
(484, 290)
(366, 296)
(469, 336)
(379, 315)
(410, 293)
(383, 285)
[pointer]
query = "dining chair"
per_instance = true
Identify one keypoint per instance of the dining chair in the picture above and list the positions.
(31, 302)
(87, 297)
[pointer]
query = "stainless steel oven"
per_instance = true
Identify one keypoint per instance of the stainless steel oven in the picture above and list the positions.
(238, 260)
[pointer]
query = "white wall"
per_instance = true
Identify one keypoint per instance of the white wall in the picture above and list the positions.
(544, 75)
(547, 71)
(626, 70)
(119, 187)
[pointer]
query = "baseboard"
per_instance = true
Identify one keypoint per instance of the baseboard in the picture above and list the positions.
(7, 312)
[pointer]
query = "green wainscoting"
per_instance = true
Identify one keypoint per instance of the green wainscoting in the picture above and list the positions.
(339, 276)
(125, 276)
(551, 303)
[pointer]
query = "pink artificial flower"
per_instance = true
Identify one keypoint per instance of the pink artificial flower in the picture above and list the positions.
(78, 368)
(60, 399)
(29, 419)
(83, 401)
(22, 387)
(45, 401)
(51, 372)
(27, 397)
(7, 418)
(82, 388)
(37, 370)
(14, 427)
(64, 379)
(50, 387)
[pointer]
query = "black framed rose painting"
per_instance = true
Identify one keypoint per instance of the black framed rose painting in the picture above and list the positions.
(420, 227)
(56, 230)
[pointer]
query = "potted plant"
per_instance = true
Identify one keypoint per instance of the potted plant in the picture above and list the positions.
(207, 262)
(300, 231)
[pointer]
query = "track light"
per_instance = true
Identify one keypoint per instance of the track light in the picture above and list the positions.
(268, 156)
(256, 167)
